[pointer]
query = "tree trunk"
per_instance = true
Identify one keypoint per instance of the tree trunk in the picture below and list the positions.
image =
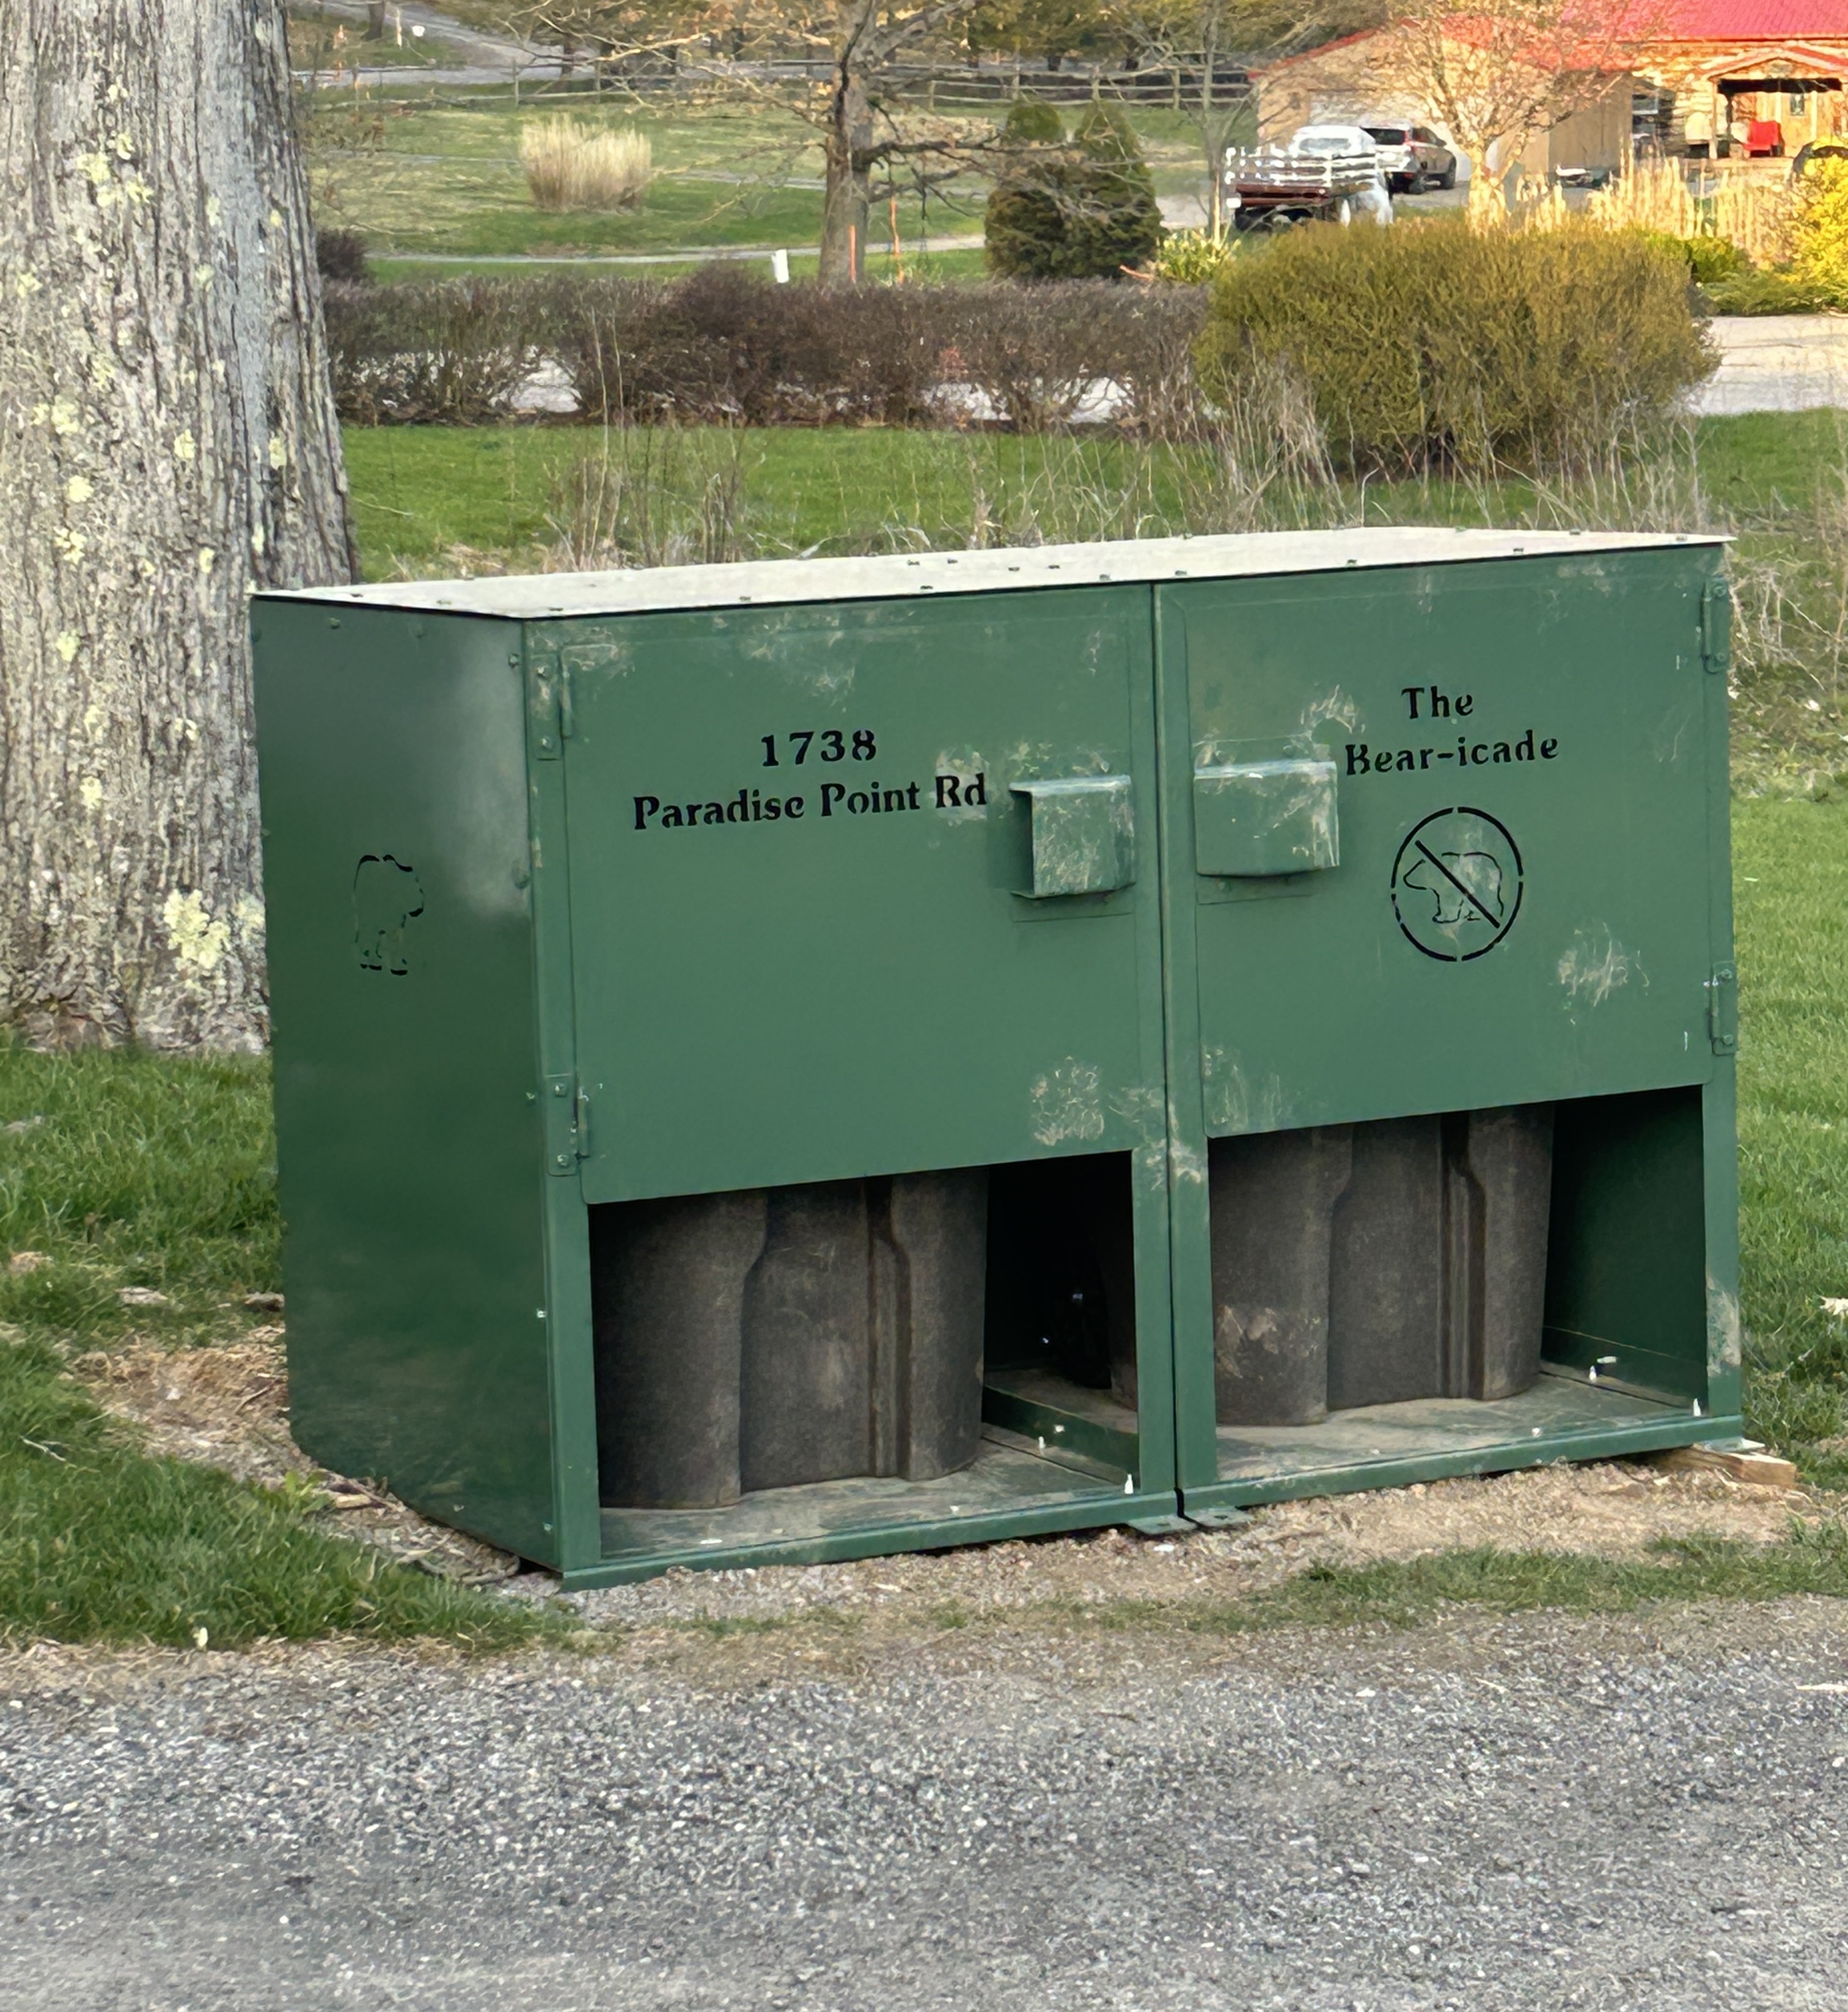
(1212, 129)
(1485, 202)
(846, 197)
(167, 442)
(375, 20)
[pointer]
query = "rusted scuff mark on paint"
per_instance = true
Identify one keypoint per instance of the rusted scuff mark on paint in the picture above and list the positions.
(1595, 965)
(1068, 1103)
(1724, 1340)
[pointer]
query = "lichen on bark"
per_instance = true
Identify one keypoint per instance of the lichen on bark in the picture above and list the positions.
(167, 443)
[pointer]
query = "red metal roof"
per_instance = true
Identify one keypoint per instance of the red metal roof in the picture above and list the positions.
(1730, 23)
(1753, 21)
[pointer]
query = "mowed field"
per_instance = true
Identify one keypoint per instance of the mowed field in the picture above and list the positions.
(424, 175)
(449, 499)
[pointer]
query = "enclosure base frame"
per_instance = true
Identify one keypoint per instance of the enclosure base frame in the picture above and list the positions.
(828, 1522)
(1582, 1422)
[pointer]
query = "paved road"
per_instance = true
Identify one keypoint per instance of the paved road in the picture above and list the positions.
(488, 59)
(1778, 363)
(1537, 1813)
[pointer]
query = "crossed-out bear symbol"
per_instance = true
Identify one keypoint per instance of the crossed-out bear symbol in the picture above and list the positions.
(1466, 886)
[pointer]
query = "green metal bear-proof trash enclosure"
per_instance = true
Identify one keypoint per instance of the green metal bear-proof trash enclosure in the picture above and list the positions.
(793, 1060)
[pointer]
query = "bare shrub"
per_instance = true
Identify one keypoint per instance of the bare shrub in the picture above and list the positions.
(453, 351)
(340, 255)
(569, 167)
(1030, 350)
(630, 355)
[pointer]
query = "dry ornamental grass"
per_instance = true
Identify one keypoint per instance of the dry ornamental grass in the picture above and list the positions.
(570, 168)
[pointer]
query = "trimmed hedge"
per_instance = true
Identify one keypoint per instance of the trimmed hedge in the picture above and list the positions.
(1434, 345)
(1423, 346)
(455, 351)
(721, 344)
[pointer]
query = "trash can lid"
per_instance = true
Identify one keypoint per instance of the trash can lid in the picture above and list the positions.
(783, 582)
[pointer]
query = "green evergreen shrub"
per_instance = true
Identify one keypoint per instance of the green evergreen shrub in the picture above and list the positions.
(1760, 290)
(1024, 226)
(1115, 220)
(1434, 345)
(1081, 211)
(1707, 258)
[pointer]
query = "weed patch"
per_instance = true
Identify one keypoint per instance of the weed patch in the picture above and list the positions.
(1409, 1593)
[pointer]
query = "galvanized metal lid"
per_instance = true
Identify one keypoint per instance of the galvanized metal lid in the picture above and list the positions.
(782, 582)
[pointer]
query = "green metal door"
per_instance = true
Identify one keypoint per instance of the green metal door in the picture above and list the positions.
(1440, 838)
(1446, 841)
(863, 889)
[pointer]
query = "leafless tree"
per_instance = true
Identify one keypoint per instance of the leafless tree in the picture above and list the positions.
(1507, 71)
(832, 63)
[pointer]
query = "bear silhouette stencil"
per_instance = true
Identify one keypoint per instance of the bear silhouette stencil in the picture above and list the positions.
(387, 895)
(1464, 884)
(1457, 884)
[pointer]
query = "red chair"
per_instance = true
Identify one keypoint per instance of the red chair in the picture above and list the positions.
(1765, 135)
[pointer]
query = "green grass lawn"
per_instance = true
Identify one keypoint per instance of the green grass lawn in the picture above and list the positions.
(879, 268)
(415, 174)
(441, 178)
(421, 490)
(1791, 908)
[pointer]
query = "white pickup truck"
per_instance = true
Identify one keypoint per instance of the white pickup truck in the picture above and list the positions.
(1326, 174)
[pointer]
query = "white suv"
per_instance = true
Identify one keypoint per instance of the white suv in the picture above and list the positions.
(1412, 158)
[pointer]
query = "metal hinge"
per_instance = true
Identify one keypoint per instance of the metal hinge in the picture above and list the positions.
(550, 701)
(1716, 626)
(1722, 1008)
(567, 1124)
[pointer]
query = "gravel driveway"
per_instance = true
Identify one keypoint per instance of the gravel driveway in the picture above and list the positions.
(1021, 1816)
